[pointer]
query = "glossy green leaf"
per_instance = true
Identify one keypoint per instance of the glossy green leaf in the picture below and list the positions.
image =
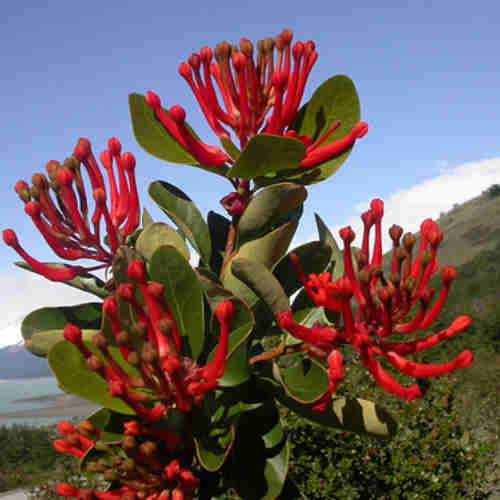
(267, 154)
(43, 328)
(266, 250)
(355, 415)
(109, 423)
(147, 220)
(303, 379)
(157, 235)
(73, 375)
(337, 257)
(218, 225)
(262, 446)
(86, 282)
(268, 207)
(213, 447)
(184, 295)
(184, 213)
(314, 258)
(262, 282)
(153, 137)
(335, 99)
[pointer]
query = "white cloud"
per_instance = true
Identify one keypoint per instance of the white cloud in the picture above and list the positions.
(409, 207)
(22, 292)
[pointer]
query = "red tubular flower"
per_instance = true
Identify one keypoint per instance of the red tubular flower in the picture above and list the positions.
(259, 93)
(382, 306)
(58, 207)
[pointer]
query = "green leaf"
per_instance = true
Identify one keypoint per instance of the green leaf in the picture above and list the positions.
(70, 368)
(218, 225)
(237, 370)
(303, 379)
(337, 255)
(267, 154)
(184, 295)
(86, 281)
(153, 137)
(268, 206)
(184, 213)
(261, 281)
(335, 99)
(157, 235)
(43, 328)
(314, 258)
(213, 447)
(110, 423)
(349, 414)
(266, 250)
(262, 446)
(147, 220)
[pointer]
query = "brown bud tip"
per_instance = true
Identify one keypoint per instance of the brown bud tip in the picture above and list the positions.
(122, 337)
(395, 232)
(127, 161)
(137, 271)
(87, 427)
(99, 196)
(64, 176)
(410, 284)
(23, 190)
(114, 146)
(395, 278)
(361, 258)
(128, 465)
(448, 274)
(33, 209)
(268, 44)
(408, 241)
(51, 167)
(364, 276)
(73, 439)
(165, 325)
(38, 180)
(178, 114)
(111, 475)
(129, 443)
(246, 47)
(100, 341)
(10, 238)
(148, 448)
(94, 363)
(133, 358)
(72, 333)
(140, 328)
(149, 353)
(152, 100)
(82, 149)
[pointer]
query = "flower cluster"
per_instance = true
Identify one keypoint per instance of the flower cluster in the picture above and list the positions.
(152, 344)
(250, 94)
(147, 463)
(382, 307)
(58, 205)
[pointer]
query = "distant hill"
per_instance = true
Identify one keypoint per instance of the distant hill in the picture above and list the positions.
(17, 362)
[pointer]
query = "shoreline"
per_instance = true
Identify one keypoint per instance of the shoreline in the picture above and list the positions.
(60, 405)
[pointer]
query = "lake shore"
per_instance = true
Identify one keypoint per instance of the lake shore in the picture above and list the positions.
(57, 405)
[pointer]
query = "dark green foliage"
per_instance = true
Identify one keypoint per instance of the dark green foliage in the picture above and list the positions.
(432, 456)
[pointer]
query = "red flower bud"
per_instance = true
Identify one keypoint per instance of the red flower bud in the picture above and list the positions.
(66, 490)
(65, 428)
(153, 100)
(137, 271)
(114, 146)
(72, 333)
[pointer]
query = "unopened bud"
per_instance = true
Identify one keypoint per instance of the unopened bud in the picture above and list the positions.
(94, 363)
(133, 358)
(395, 232)
(100, 341)
(148, 448)
(408, 241)
(111, 475)
(129, 443)
(122, 337)
(149, 353)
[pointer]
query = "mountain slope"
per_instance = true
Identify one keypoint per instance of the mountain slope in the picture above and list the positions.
(17, 362)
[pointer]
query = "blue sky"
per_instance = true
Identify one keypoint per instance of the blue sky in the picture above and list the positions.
(427, 74)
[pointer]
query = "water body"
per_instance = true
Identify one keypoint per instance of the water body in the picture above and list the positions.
(11, 391)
